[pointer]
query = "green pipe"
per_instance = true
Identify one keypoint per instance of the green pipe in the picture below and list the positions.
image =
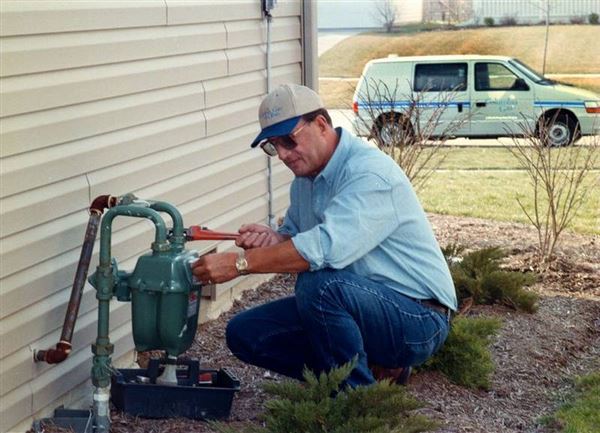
(178, 236)
(102, 349)
(130, 211)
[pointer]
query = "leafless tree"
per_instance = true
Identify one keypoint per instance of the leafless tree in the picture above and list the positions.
(386, 14)
(558, 177)
(408, 127)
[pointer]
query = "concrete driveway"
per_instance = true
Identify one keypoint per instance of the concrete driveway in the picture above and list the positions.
(329, 38)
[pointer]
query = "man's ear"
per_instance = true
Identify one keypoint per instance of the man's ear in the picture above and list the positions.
(322, 123)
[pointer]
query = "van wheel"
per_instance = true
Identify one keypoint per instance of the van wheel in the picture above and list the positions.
(394, 130)
(558, 130)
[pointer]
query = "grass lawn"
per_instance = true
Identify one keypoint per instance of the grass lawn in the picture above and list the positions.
(582, 414)
(588, 83)
(489, 158)
(491, 194)
(337, 94)
(571, 48)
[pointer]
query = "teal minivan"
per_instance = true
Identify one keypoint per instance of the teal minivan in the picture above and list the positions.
(472, 96)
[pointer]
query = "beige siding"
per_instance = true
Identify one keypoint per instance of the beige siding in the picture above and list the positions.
(155, 97)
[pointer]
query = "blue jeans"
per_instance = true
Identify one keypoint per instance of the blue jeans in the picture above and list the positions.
(334, 316)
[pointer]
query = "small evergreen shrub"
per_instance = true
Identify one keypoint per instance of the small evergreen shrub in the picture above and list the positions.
(321, 405)
(508, 20)
(593, 18)
(465, 357)
(478, 275)
(577, 19)
(489, 21)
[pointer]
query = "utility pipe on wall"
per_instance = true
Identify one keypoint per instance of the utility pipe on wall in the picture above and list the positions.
(63, 347)
(268, 5)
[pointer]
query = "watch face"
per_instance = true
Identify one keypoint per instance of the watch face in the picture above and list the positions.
(241, 264)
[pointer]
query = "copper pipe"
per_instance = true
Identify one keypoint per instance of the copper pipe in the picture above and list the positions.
(63, 347)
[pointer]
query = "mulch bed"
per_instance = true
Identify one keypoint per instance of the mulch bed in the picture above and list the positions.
(536, 355)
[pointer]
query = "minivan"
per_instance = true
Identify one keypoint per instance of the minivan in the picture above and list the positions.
(478, 96)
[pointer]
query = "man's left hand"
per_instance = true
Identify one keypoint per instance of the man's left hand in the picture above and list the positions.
(215, 268)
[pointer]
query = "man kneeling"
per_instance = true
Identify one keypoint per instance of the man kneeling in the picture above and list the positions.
(372, 281)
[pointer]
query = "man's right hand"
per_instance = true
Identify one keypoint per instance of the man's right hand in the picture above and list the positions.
(257, 236)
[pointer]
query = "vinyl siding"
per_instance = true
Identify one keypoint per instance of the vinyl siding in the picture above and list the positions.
(155, 97)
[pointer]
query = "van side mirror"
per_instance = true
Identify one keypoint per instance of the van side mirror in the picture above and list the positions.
(520, 84)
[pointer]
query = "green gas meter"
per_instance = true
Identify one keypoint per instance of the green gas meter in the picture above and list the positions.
(164, 295)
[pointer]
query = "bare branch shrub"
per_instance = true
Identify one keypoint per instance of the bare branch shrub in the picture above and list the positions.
(558, 177)
(385, 13)
(408, 127)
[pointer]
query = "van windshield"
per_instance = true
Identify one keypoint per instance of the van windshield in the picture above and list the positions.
(530, 73)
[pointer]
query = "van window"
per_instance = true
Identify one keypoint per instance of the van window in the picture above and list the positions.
(440, 77)
(384, 70)
(494, 76)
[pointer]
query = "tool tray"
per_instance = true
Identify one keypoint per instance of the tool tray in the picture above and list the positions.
(210, 398)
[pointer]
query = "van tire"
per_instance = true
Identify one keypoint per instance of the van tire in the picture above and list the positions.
(393, 129)
(558, 129)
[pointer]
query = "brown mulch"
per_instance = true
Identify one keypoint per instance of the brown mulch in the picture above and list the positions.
(536, 355)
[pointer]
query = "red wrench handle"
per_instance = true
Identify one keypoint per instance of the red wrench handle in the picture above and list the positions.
(197, 233)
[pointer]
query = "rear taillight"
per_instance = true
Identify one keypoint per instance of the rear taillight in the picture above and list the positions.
(592, 107)
(355, 107)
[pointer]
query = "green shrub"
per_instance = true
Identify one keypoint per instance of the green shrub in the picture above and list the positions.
(489, 21)
(465, 357)
(577, 19)
(593, 18)
(320, 406)
(479, 276)
(508, 20)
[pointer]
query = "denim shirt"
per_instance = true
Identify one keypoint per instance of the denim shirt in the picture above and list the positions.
(361, 213)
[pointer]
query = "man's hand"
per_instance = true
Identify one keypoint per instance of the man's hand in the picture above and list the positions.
(215, 268)
(258, 236)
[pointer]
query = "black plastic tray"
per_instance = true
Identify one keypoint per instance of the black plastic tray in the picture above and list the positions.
(189, 399)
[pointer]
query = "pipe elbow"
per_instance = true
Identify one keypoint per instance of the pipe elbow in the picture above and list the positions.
(53, 356)
(103, 202)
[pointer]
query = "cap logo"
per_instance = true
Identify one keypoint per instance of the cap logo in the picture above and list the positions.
(272, 113)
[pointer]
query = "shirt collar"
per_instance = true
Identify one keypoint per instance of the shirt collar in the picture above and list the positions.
(336, 161)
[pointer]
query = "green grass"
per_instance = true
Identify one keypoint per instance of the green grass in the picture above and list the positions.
(571, 48)
(582, 414)
(491, 194)
(487, 158)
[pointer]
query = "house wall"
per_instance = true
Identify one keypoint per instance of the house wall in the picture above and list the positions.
(534, 11)
(449, 11)
(155, 97)
(362, 14)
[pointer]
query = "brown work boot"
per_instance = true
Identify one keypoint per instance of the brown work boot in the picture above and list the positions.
(399, 376)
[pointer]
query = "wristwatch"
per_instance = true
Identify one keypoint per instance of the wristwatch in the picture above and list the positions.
(241, 264)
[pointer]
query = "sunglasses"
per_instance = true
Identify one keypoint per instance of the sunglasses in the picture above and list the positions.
(288, 142)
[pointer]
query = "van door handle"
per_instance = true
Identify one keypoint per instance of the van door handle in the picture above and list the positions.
(480, 104)
(460, 107)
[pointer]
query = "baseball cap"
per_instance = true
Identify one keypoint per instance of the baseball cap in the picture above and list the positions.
(280, 111)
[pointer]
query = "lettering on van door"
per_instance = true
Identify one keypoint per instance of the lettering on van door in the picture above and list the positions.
(503, 106)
